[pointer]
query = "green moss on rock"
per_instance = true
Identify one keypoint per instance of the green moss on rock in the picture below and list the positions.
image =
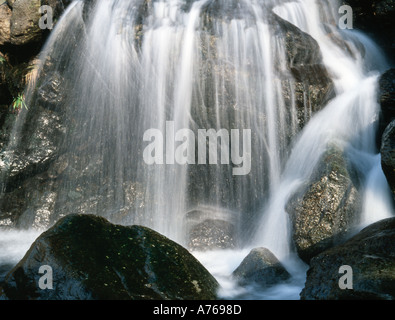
(94, 259)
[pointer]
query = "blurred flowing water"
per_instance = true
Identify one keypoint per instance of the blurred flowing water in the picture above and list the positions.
(349, 120)
(131, 66)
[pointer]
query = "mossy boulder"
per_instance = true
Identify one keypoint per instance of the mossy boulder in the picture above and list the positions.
(324, 212)
(92, 259)
(371, 256)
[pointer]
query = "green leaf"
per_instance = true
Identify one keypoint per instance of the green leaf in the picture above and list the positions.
(19, 102)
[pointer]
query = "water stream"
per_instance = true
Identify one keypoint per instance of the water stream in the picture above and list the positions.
(180, 66)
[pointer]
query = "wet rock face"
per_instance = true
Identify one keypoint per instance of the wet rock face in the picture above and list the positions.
(323, 214)
(93, 259)
(210, 229)
(43, 180)
(212, 235)
(21, 40)
(31, 162)
(19, 25)
(42, 135)
(51, 92)
(387, 95)
(308, 85)
(371, 256)
(388, 155)
(260, 268)
(5, 24)
(386, 98)
(24, 22)
(40, 160)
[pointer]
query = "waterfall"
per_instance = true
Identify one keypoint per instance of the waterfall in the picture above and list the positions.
(349, 120)
(136, 72)
(146, 79)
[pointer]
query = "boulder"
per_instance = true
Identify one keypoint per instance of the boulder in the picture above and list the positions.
(24, 19)
(21, 37)
(24, 22)
(324, 212)
(5, 24)
(371, 256)
(93, 259)
(260, 267)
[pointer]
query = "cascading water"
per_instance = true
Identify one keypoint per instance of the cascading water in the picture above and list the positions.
(349, 120)
(134, 66)
(127, 67)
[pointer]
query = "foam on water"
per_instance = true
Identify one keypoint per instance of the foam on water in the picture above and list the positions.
(13, 246)
(221, 264)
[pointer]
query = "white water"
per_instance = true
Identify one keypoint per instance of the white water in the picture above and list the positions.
(348, 121)
(162, 80)
(13, 246)
(221, 264)
(15, 243)
(199, 74)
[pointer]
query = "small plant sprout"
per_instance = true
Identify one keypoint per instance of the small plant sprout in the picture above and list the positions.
(19, 103)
